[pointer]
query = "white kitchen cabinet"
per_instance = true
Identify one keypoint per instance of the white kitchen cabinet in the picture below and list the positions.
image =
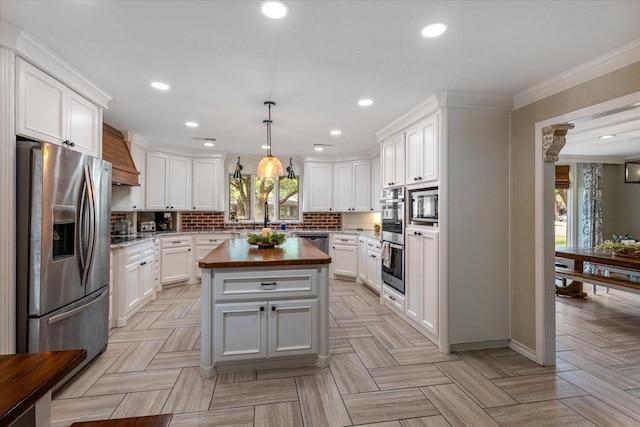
(133, 279)
(421, 282)
(393, 159)
(344, 255)
(137, 199)
(318, 187)
(176, 264)
(374, 268)
(423, 147)
(351, 186)
(125, 198)
(293, 327)
(49, 111)
(376, 184)
(240, 331)
(208, 184)
(168, 182)
(362, 259)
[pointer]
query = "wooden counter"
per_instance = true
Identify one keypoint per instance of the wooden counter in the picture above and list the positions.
(239, 253)
(27, 378)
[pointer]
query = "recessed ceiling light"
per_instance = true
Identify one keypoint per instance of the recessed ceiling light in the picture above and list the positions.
(335, 132)
(274, 9)
(208, 144)
(192, 124)
(434, 30)
(365, 102)
(319, 149)
(160, 85)
(606, 136)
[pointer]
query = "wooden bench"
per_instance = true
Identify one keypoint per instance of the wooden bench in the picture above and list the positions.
(596, 279)
(149, 421)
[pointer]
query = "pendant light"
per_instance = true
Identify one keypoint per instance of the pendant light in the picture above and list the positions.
(290, 175)
(236, 173)
(269, 167)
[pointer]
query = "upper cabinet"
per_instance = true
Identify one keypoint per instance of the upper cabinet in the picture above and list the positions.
(168, 180)
(351, 186)
(422, 145)
(47, 110)
(318, 178)
(376, 184)
(208, 184)
(393, 153)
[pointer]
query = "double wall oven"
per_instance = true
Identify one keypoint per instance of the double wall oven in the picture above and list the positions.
(392, 206)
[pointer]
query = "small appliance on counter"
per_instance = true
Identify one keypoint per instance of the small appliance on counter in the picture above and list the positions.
(163, 221)
(122, 227)
(146, 227)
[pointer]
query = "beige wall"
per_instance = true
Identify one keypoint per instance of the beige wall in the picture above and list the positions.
(610, 86)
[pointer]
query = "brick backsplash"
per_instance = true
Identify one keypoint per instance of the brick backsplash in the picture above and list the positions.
(115, 216)
(198, 221)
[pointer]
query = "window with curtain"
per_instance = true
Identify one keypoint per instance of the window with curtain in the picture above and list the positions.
(563, 184)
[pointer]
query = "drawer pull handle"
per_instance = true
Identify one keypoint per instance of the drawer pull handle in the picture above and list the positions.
(176, 242)
(261, 308)
(268, 284)
(391, 297)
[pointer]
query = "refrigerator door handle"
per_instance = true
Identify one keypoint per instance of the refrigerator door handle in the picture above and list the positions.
(71, 313)
(92, 227)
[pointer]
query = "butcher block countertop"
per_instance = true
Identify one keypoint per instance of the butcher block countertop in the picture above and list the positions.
(26, 377)
(239, 253)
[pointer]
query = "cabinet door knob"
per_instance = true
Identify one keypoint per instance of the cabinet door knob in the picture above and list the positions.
(72, 144)
(171, 207)
(166, 207)
(261, 308)
(134, 206)
(194, 207)
(189, 249)
(419, 178)
(273, 308)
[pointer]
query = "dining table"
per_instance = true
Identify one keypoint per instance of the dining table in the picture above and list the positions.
(601, 258)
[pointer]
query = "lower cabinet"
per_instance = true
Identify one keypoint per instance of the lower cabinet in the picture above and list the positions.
(374, 270)
(133, 280)
(370, 262)
(344, 255)
(265, 329)
(421, 280)
(176, 264)
(204, 244)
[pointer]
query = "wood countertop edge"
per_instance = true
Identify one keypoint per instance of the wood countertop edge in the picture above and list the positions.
(278, 263)
(19, 403)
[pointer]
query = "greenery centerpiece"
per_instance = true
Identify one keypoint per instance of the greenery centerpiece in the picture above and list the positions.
(266, 241)
(631, 250)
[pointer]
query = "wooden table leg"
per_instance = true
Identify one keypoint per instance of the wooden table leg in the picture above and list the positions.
(574, 290)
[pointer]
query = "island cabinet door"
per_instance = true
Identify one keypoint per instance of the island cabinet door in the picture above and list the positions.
(293, 327)
(240, 331)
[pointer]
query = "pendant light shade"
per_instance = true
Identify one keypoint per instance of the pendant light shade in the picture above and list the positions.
(290, 175)
(269, 167)
(236, 173)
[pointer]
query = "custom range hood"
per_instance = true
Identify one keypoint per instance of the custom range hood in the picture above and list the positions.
(116, 150)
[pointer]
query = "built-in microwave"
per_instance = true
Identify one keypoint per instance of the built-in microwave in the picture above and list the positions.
(424, 206)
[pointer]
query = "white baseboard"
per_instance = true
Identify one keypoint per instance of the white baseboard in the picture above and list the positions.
(523, 350)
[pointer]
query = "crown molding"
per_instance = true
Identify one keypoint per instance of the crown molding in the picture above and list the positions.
(604, 64)
(446, 99)
(32, 50)
(609, 160)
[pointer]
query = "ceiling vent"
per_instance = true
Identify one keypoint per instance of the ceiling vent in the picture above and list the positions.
(117, 151)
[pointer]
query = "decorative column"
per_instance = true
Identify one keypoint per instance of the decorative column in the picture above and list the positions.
(553, 139)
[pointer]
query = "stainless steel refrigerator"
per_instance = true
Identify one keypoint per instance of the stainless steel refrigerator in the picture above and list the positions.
(63, 202)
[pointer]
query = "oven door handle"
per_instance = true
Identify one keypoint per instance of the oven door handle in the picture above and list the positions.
(395, 246)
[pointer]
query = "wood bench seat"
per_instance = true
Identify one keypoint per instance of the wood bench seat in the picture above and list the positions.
(149, 421)
(613, 282)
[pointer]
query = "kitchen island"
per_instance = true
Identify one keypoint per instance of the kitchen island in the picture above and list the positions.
(264, 308)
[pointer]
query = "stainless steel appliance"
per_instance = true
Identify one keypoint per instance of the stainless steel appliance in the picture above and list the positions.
(392, 206)
(393, 268)
(63, 207)
(320, 241)
(424, 206)
(146, 226)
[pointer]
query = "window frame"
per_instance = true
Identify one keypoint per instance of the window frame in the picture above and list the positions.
(276, 218)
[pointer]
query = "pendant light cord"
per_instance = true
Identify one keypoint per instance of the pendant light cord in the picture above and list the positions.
(268, 122)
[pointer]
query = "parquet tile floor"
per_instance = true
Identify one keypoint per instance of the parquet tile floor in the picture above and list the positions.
(383, 373)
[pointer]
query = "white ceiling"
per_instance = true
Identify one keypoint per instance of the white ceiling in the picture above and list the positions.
(224, 58)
